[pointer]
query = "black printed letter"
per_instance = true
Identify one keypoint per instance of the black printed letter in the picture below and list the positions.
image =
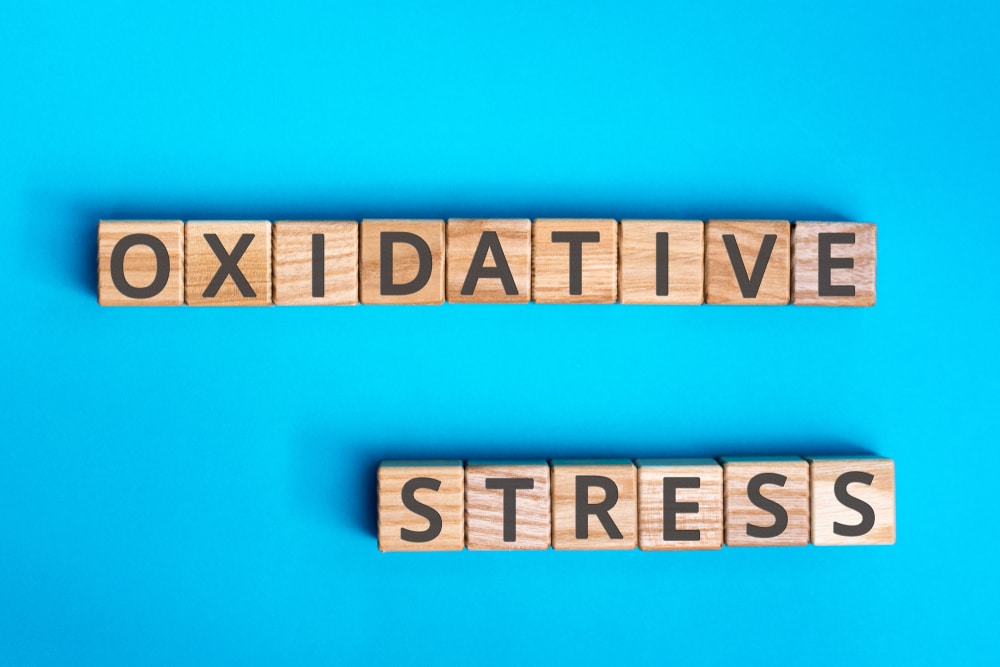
(510, 487)
(411, 503)
(749, 285)
(856, 504)
(424, 263)
(671, 508)
(601, 510)
(118, 266)
(229, 266)
(780, 515)
(489, 242)
(828, 263)
(576, 241)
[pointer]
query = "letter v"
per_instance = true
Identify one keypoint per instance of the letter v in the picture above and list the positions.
(749, 285)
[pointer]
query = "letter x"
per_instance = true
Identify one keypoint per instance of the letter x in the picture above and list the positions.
(229, 266)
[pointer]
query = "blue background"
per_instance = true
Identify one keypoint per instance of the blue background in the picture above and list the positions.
(185, 486)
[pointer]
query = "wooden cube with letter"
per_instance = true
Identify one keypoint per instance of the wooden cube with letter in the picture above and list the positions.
(766, 501)
(680, 504)
(402, 262)
(140, 263)
(594, 504)
(488, 261)
(661, 262)
(315, 263)
(574, 261)
(747, 262)
(833, 264)
(421, 506)
(853, 500)
(507, 505)
(227, 263)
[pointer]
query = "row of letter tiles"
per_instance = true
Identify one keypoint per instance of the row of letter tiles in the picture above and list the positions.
(655, 504)
(232, 263)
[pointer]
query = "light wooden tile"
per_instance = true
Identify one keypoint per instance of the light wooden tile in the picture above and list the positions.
(315, 263)
(680, 504)
(507, 505)
(833, 264)
(766, 501)
(574, 261)
(584, 513)
(236, 271)
(417, 272)
(661, 262)
(147, 257)
(421, 506)
(743, 277)
(853, 500)
(489, 261)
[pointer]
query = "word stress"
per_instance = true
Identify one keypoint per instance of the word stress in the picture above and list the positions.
(655, 504)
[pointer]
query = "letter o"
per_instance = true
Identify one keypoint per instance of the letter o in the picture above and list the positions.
(118, 266)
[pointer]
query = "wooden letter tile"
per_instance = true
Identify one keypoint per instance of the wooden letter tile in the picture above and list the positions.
(507, 505)
(315, 263)
(833, 264)
(227, 263)
(747, 262)
(489, 261)
(766, 501)
(574, 261)
(594, 504)
(680, 504)
(420, 506)
(662, 262)
(402, 261)
(853, 500)
(140, 263)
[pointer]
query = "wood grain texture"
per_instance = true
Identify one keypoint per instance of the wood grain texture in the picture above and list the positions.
(637, 266)
(405, 265)
(293, 260)
(140, 264)
(706, 518)
(448, 501)
(484, 507)
(564, 504)
(793, 496)
(721, 283)
(464, 237)
(827, 510)
(806, 264)
(201, 263)
(551, 281)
